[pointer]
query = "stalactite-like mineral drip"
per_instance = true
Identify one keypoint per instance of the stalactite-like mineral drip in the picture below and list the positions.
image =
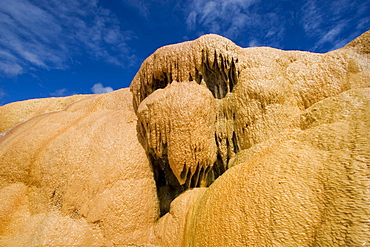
(180, 122)
(186, 125)
(211, 60)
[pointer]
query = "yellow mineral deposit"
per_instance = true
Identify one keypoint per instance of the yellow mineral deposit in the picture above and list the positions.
(212, 145)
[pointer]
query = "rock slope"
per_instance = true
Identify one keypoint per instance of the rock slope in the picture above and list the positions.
(212, 145)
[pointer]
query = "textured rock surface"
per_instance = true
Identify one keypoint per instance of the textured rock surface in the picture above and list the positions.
(178, 122)
(309, 186)
(281, 138)
(19, 112)
(85, 163)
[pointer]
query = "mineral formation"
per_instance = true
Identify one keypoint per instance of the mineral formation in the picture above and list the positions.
(212, 145)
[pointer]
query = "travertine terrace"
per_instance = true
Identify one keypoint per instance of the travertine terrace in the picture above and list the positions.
(212, 145)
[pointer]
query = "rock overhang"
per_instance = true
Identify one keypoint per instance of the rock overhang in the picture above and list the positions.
(208, 64)
(180, 96)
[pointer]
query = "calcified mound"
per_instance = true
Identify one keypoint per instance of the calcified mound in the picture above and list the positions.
(213, 145)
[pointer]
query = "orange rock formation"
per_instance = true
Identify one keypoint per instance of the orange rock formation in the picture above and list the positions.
(212, 145)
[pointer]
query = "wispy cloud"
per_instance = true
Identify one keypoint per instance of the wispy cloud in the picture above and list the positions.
(50, 34)
(332, 37)
(8, 64)
(253, 42)
(312, 17)
(220, 16)
(99, 88)
(2, 93)
(316, 25)
(237, 18)
(328, 21)
(60, 92)
(142, 6)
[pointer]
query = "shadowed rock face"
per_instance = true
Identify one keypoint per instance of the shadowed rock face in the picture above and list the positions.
(282, 136)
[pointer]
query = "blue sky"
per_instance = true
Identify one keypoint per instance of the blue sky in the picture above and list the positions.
(51, 48)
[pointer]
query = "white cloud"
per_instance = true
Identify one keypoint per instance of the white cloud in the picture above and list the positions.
(327, 21)
(2, 93)
(141, 5)
(227, 17)
(237, 18)
(363, 23)
(191, 20)
(325, 24)
(253, 43)
(10, 69)
(99, 88)
(311, 18)
(8, 64)
(60, 92)
(49, 33)
(331, 36)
